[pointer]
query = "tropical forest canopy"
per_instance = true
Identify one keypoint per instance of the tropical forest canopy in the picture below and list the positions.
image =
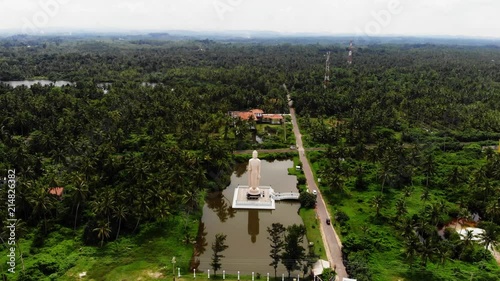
(401, 120)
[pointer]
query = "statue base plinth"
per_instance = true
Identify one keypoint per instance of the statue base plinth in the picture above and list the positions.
(254, 193)
(253, 196)
(246, 197)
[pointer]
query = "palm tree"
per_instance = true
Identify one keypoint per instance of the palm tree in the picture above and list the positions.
(411, 248)
(456, 177)
(333, 179)
(120, 213)
(426, 195)
(41, 202)
(427, 250)
(190, 198)
(377, 202)
(490, 235)
(407, 227)
(102, 206)
(443, 251)
(162, 210)
(141, 207)
(79, 194)
(467, 241)
(433, 213)
(407, 191)
(103, 230)
(493, 209)
(401, 207)
(384, 174)
(429, 167)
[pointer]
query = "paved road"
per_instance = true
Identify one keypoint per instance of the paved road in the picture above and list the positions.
(330, 239)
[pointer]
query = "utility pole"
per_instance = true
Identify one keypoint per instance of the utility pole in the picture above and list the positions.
(284, 127)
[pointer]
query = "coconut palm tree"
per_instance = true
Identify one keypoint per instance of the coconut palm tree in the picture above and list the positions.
(490, 235)
(493, 209)
(120, 213)
(78, 194)
(408, 190)
(426, 195)
(141, 207)
(41, 202)
(377, 202)
(429, 167)
(384, 174)
(103, 230)
(467, 241)
(411, 248)
(443, 251)
(103, 204)
(401, 208)
(433, 213)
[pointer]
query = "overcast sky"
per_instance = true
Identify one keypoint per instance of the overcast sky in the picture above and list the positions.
(368, 17)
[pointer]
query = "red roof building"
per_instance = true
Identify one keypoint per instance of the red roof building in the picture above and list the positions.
(274, 119)
(57, 191)
(256, 114)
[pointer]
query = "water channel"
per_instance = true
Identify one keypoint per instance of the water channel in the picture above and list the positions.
(246, 230)
(29, 83)
(60, 83)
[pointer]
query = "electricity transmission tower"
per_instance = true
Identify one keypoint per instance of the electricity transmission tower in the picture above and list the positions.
(327, 70)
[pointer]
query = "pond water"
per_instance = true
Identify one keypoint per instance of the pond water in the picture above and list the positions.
(30, 83)
(61, 83)
(246, 230)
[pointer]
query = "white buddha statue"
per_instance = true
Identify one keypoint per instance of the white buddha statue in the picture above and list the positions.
(254, 174)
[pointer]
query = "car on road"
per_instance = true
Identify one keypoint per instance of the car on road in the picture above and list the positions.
(315, 192)
(328, 221)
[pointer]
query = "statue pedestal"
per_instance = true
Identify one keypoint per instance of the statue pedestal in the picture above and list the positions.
(246, 197)
(254, 193)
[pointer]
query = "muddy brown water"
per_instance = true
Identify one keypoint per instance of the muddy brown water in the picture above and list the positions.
(246, 230)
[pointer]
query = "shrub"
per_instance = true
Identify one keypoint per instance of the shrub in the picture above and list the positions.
(341, 217)
(307, 200)
(301, 179)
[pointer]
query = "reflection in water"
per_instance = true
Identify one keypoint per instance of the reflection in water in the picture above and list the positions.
(240, 169)
(201, 240)
(218, 203)
(253, 224)
(199, 248)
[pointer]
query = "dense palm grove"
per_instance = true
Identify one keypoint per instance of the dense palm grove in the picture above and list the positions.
(404, 125)
(411, 129)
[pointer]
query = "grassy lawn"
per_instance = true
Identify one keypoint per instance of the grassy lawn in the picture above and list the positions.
(313, 233)
(145, 256)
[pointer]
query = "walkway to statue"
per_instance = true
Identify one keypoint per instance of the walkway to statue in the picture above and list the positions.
(285, 196)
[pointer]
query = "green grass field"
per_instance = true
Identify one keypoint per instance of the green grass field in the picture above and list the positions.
(145, 256)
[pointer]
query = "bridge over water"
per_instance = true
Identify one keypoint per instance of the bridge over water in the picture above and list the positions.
(285, 196)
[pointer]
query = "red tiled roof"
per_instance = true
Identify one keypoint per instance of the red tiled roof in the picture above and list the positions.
(58, 191)
(273, 116)
(257, 111)
(245, 115)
